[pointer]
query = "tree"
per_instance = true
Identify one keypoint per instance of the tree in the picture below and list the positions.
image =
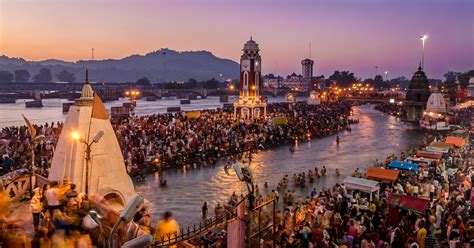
(210, 84)
(269, 76)
(143, 81)
(65, 76)
(344, 78)
(6, 77)
(43, 76)
(22, 76)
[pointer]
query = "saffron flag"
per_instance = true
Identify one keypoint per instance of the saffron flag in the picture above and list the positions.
(31, 129)
(98, 109)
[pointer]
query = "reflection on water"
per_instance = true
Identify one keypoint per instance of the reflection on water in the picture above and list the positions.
(376, 136)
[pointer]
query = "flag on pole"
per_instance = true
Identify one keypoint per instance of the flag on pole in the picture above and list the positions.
(31, 129)
(98, 109)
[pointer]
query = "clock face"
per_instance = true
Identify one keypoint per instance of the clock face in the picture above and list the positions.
(257, 65)
(246, 65)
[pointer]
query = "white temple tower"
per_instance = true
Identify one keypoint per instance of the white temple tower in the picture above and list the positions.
(108, 177)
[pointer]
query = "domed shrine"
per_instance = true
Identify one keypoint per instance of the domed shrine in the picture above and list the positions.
(417, 96)
(436, 103)
(470, 88)
(434, 117)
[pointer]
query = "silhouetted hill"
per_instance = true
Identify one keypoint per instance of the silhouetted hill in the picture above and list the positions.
(180, 66)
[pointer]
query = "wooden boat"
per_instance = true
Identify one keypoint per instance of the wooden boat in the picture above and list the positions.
(173, 109)
(34, 104)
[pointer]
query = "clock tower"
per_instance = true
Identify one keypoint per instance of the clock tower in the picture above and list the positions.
(250, 105)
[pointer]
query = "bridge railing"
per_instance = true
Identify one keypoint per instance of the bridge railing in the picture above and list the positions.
(196, 230)
(16, 183)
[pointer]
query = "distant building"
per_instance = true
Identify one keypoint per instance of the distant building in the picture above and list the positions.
(303, 82)
(307, 69)
(250, 105)
(417, 96)
(470, 88)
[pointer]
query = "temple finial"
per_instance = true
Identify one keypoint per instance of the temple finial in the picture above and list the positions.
(87, 76)
(250, 37)
(419, 66)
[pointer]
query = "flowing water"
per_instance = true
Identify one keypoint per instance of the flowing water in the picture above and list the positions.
(375, 137)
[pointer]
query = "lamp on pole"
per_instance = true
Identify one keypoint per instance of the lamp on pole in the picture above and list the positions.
(33, 167)
(97, 137)
(164, 67)
(423, 38)
(386, 73)
(133, 95)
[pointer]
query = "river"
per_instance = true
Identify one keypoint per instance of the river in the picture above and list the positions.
(52, 108)
(376, 136)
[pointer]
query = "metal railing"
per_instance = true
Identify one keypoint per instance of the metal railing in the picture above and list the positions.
(194, 231)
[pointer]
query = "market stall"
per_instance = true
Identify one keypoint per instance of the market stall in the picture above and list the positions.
(429, 155)
(398, 165)
(382, 175)
(360, 184)
(457, 142)
(405, 202)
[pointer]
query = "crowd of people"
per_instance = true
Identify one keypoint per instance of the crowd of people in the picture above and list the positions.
(16, 147)
(176, 140)
(328, 218)
(337, 218)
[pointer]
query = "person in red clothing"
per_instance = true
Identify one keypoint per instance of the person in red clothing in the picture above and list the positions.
(352, 230)
(318, 235)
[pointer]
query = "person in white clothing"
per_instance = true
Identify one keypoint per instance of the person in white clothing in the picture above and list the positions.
(52, 196)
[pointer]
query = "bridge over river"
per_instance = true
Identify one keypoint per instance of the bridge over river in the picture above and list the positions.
(14, 91)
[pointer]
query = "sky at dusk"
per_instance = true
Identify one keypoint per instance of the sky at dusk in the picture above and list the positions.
(354, 35)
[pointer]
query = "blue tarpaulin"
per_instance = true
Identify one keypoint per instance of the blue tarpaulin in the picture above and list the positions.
(403, 166)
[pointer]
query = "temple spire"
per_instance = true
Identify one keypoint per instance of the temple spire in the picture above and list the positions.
(87, 76)
(419, 67)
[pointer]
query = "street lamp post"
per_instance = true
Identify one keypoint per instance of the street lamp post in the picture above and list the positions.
(386, 73)
(164, 67)
(33, 167)
(97, 137)
(423, 38)
(132, 94)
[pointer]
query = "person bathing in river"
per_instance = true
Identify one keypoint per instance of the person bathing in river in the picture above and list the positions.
(323, 171)
(337, 139)
(204, 211)
(337, 172)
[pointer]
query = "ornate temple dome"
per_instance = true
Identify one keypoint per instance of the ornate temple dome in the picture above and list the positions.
(436, 103)
(418, 89)
(251, 45)
(87, 94)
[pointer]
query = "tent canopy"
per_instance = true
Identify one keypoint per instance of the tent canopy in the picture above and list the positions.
(403, 166)
(429, 155)
(458, 142)
(437, 149)
(423, 162)
(410, 203)
(361, 184)
(441, 144)
(374, 173)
